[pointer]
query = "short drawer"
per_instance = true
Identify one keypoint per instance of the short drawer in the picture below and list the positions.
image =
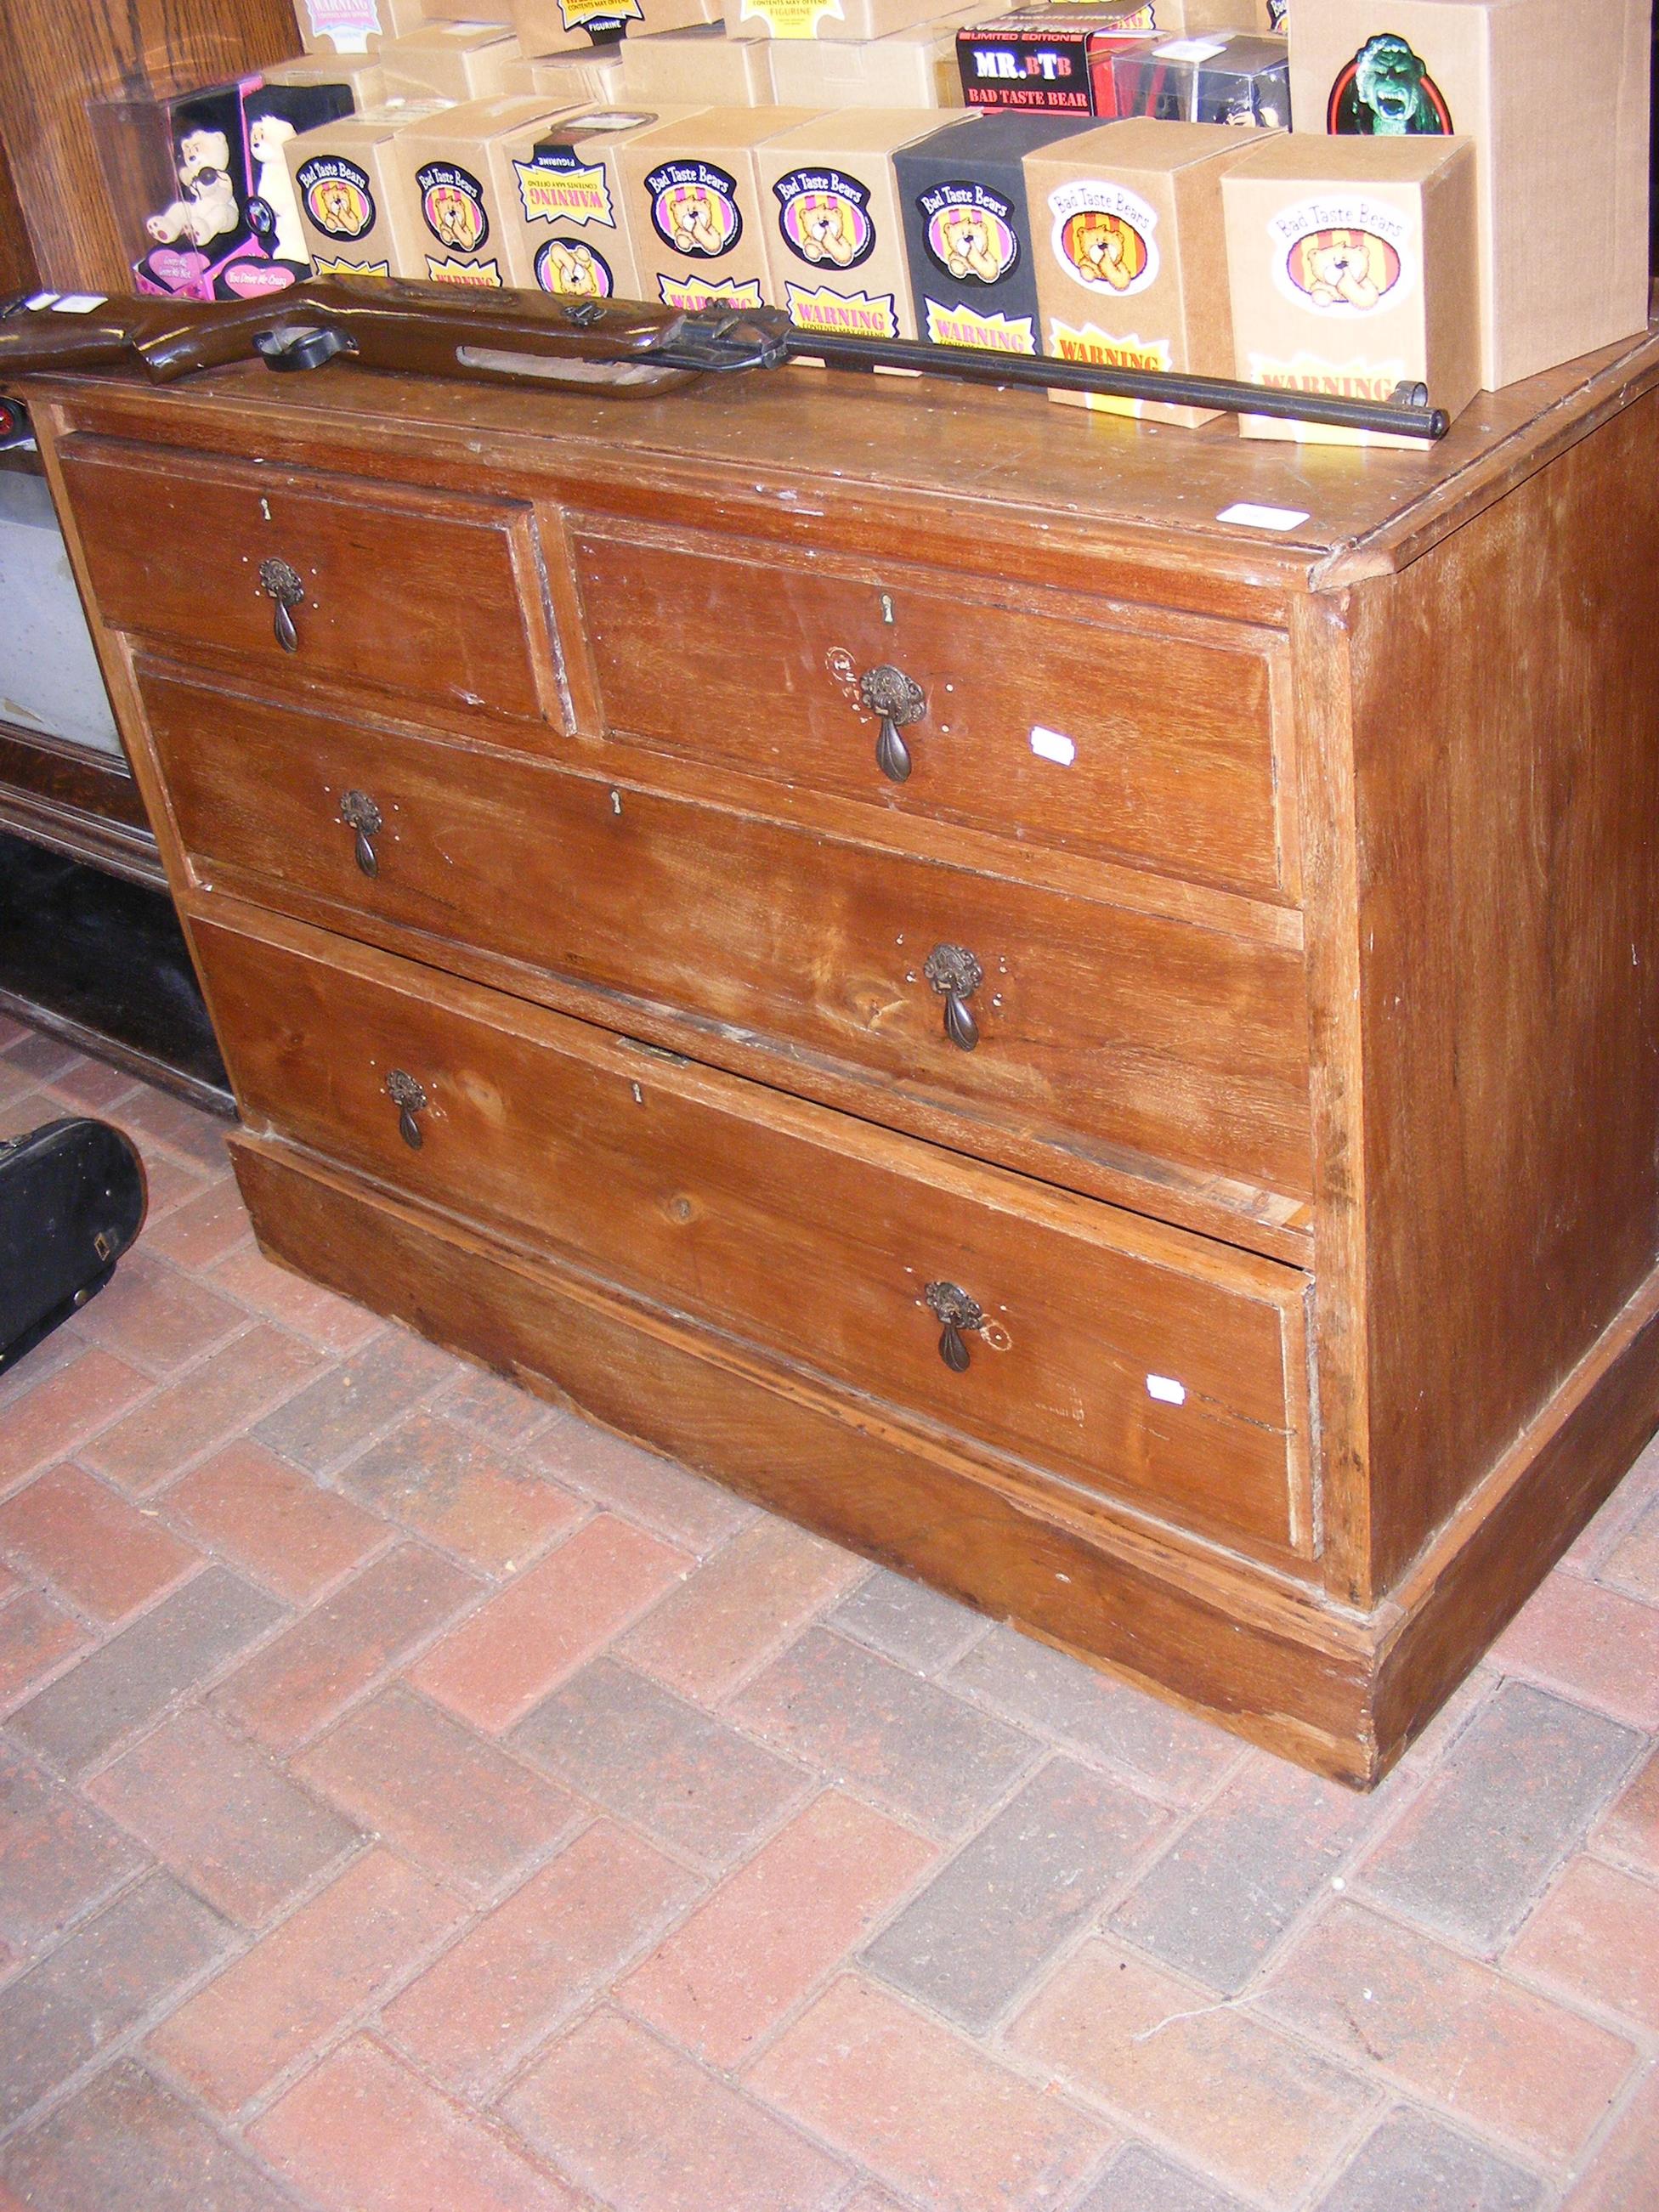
(1129, 1360)
(1132, 1034)
(1080, 728)
(427, 594)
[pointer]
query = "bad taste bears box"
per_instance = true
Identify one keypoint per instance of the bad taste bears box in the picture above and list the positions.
(825, 19)
(355, 27)
(578, 79)
(835, 235)
(352, 214)
(455, 62)
(967, 233)
(693, 206)
(1352, 266)
(566, 227)
(1132, 253)
(907, 69)
(553, 26)
(702, 66)
(1054, 60)
(360, 75)
(453, 175)
(1554, 96)
(1196, 18)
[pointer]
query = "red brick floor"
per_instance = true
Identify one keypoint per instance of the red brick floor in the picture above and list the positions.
(419, 1801)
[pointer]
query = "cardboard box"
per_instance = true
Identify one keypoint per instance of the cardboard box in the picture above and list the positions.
(470, 11)
(1052, 60)
(1132, 253)
(555, 27)
(1352, 264)
(968, 230)
(703, 66)
(355, 27)
(1188, 18)
(1554, 94)
(453, 175)
(578, 80)
(907, 69)
(351, 213)
(835, 232)
(1223, 76)
(693, 206)
(825, 19)
(455, 62)
(360, 74)
(566, 226)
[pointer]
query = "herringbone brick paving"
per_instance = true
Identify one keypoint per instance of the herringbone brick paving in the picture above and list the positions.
(417, 1801)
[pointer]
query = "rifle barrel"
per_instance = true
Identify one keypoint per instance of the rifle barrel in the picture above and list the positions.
(1408, 417)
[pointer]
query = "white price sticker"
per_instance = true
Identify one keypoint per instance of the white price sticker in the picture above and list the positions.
(1049, 745)
(1262, 518)
(1166, 1392)
(79, 303)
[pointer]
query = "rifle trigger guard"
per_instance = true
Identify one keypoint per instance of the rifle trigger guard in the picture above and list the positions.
(311, 348)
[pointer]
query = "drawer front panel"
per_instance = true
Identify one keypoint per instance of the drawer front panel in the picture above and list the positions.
(1089, 735)
(420, 593)
(1097, 1026)
(1128, 1359)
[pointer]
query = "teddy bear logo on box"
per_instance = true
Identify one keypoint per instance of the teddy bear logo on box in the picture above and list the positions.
(336, 196)
(1105, 236)
(1385, 92)
(823, 218)
(968, 233)
(1342, 257)
(452, 202)
(693, 209)
(573, 269)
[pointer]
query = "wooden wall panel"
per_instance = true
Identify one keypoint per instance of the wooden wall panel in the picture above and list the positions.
(56, 56)
(17, 270)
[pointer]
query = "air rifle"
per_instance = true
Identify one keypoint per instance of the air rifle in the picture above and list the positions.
(618, 347)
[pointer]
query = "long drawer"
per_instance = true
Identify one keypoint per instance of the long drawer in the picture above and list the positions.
(1128, 1360)
(1131, 1034)
(433, 596)
(1052, 719)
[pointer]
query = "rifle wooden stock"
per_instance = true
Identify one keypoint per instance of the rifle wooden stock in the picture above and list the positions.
(425, 330)
(625, 349)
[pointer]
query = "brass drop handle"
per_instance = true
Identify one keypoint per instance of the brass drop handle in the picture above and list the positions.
(955, 975)
(280, 582)
(358, 811)
(409, 1099)
(959, 1317)
(897, 700)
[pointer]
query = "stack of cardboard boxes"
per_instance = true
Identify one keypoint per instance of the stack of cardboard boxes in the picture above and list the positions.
(1460, 200)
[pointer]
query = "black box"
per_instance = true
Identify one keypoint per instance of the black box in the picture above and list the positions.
(967, 232)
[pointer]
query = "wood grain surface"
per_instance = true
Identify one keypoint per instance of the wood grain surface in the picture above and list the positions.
(1355, 921)
(57, 56)
(1103, 1031)
(427, 598)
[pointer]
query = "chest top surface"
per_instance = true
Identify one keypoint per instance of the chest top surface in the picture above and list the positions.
(797, 437)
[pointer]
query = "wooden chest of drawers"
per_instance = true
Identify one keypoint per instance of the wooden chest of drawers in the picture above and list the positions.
(1159, 1136)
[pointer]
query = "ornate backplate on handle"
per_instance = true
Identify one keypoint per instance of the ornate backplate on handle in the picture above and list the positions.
(955, 975)
(960, 1317)
(409, 1099)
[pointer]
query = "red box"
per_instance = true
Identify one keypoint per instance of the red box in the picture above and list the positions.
(1056, 61)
